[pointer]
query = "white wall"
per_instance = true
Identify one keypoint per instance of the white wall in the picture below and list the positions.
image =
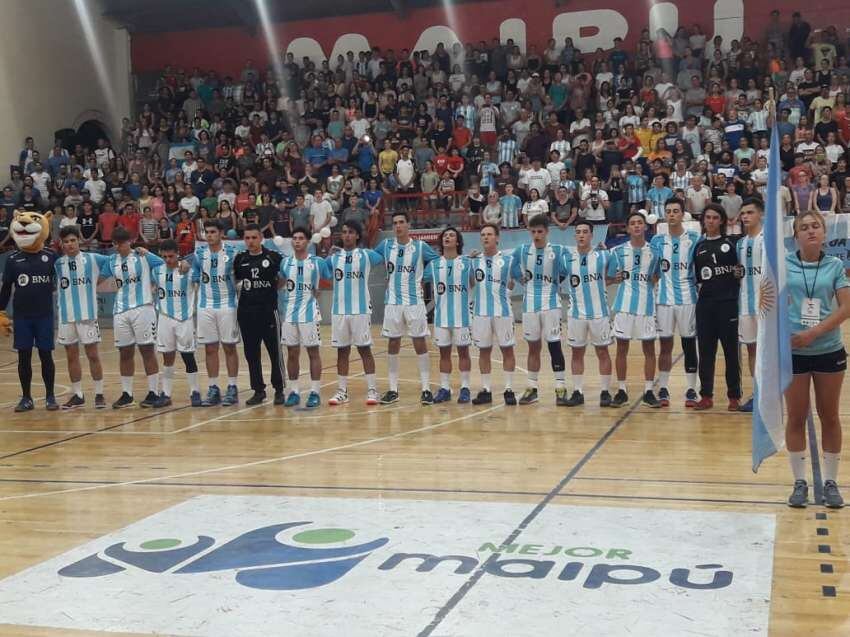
(48, 79)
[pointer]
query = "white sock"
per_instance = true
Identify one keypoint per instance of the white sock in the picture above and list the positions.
(578, 382)
(464, 379)
(232, 381)
(798, 464)
(445, 380)
(293, 387)
(532, 379)
(424, 364)
(77, 388)
(605, 382)
(691, 378)
(663, 379)
(509, 380)
(214, 381)
(621, 384)
(167, 380)
(342, 381)
(127, 385)
(98, 386)
(192, 378)
(315, 386)
(371, 381)
(392, 371)
(647, 385)
(153, 382)
(560, 379)
(485, 382)
(830, 465)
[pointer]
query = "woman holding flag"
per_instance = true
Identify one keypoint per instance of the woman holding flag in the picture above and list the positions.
(815, 281)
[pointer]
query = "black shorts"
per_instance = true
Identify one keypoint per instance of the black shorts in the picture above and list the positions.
(830, 363)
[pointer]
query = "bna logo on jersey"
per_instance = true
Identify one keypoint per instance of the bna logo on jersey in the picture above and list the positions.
(23, 280)
(575, 280)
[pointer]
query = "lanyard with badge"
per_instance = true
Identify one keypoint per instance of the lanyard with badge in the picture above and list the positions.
(810, 307)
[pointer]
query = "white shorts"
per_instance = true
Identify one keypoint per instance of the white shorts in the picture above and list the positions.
(396, 317)
(448, 336)
(634, 327)
(598, 329)
(673, 318)
(351, 329)
(545, 324)
(304, 334)
(175, 336)
(83, 332)
(485, 327)
(218, 325)
(748, 329)
(135, 327)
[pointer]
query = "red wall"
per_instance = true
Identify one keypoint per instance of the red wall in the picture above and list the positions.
(227, 49)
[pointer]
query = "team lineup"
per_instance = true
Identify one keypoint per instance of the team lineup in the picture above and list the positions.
(226, 292)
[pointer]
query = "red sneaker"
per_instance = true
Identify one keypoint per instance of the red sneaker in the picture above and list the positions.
(691, 399)
(734, 404)
(704, 403)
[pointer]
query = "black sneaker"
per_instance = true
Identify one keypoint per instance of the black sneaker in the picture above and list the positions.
(605, 399)
(74, 402)
(50, 404)
(831, 495)
(575, 399)
(151, 401)
(427, 397)
(258, 398)
(25, 404)
(528, 397)
(164, 401)
(99, 402)
(484, 397)
(664, 397)
(389, 397)
(510, 397)
(620, 398)
(799, 497)
(650, 400)
(126, 400)
(279, 397)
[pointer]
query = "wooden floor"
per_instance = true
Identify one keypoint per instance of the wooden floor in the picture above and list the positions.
(69, 478)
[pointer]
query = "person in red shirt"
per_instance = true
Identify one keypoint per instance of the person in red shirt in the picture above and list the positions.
(715, 100)
(628, 144)
(130, 219)
(461, 135)
(441, 161)
(106, 222)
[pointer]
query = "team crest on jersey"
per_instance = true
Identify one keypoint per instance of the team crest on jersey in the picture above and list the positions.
(499, 263)
(441, 288)
(44, 258)
(706, 273)
(724, 247)
(575, 280)
(23, 280)
(308, 265)
(665, 265)
(479, 275)
(265, 263)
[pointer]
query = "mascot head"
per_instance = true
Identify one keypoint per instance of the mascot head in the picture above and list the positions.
(30, 230)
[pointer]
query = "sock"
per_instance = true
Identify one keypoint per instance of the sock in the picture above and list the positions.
(830, 465)
(342, 382)
(98, 386)
(647, 385)
(605, 382)
(798, 464)
(153, 382)
(445, 380)
(371, 382)
(167, 380)
(485, 382)
(48, 371)
(532, 380)
(578, 382)
(560, 380)
(392, 367)
(663, 379)
(213, 381)
(316, 386)
(509, 380)
(621, 384)
(691, 379)
(77, 388)
(424, 364)
(232, 381)
(464, 379)
(192, 378)
(293, 384)
(127, 385)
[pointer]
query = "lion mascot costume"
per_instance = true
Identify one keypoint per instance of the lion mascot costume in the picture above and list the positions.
(28, 280)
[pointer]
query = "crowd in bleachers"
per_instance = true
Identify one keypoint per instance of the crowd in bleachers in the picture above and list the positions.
(481, 132)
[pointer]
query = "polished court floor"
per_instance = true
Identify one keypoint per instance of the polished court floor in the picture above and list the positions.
(68, 479)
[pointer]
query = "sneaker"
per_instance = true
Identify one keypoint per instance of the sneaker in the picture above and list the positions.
(704, 403)
(125, 400)
(164, 401)
(231, 396)
(313, 400)
(195, 399)
(561, 397)
(734, 405)
(620, 398)
(605, 398)
(576, 399)
(528, 396)
(443, 395)
(483, 397)
(74, 402)
(339, 398)
(151, 401)
(99, 401)
(510, 397)
(831, 496)
(747, 407)
(799, 497)
(464, 396)
(50, 404)
(293, 400)
(691, 398)
(650, 400)
(213, 397)
(664, 397)
(279, 397)
(389, 397)
(25, 404)
(258, 398)
(372, 397)
(427, 398)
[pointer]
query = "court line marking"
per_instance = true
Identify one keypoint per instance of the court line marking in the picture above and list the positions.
(256, 463)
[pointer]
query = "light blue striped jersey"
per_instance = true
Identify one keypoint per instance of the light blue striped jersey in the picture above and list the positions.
(77, 282)
(657, 198)
(541, 270)
(405, 266)
(492, 296)
(585, 283)
(635, 189)
(750, 256)
(511, 205)
(676, 283)
(639, 266)
(452, 279)
(302, 283)
(351, 280)
(175, 293)
(133, 278)
(213, 272)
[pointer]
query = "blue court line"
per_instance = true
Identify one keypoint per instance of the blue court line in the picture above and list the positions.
(817, 478)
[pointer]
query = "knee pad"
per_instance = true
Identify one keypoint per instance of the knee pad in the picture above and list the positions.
(689, 347)
(189, 361)
(556, 353)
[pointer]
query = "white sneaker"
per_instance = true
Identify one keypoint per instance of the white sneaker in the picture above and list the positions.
(340, 397)
(372, 397)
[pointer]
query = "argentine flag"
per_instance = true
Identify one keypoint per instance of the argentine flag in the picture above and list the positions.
(773, 354)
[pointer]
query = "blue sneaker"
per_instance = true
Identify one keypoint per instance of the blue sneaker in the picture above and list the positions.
(195, 399)
(213, 397)
(313, 400)
(25, 404)
(231, 397)
(464, 396)
(747, 406)
(293, 399)
(443, 395)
